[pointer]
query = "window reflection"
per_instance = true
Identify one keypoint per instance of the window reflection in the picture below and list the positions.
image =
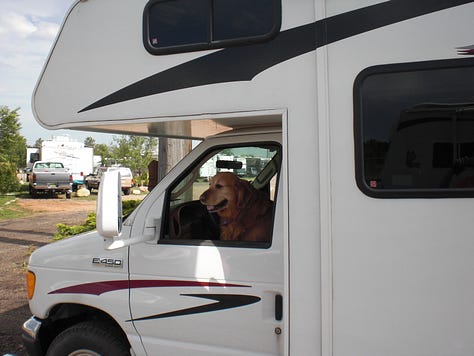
(416, 127)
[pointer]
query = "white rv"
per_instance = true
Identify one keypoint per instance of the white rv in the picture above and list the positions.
(369, 254)
(77, 158)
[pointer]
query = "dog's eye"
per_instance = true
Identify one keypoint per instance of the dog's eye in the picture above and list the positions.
(219, 186)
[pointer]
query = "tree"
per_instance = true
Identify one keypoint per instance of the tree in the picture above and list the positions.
(89, 142)
(102, 150)
(135, 152)
(172, 150)
(12, 143)
(8, 179)
(39, 142)
(12, 149)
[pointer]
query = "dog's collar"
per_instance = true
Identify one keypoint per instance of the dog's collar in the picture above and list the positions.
(224, 222)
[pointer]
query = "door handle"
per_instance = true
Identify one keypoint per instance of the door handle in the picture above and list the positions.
(278, 307)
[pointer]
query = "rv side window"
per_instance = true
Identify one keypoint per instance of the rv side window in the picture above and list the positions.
(171, 26)
(415, 129)
(227, 199)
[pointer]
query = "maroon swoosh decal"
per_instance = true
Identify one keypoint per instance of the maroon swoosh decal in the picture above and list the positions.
(98, 288)
(469, 50)
(95, 288)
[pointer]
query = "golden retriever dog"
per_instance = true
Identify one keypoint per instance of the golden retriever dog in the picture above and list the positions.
(245, 213)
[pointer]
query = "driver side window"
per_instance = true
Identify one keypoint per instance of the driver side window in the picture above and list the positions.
(226, 199)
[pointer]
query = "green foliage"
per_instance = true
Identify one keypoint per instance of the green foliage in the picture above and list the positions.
(12, 149)
(38, 142)
(135, 152)
(128, 206)
(8, 180)
(12, 143)
(102, 150)
(64, 230)
(89, 142)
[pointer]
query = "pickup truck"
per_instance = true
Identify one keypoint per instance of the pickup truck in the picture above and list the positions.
(126, 178)
(49, 178)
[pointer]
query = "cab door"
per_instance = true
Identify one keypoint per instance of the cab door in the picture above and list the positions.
(191, 292)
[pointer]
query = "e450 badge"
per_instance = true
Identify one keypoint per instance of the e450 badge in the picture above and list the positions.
(107, 262)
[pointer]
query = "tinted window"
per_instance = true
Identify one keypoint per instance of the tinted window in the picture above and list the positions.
(185, 25)
(243, 18)
(175, 23)
(415, 129)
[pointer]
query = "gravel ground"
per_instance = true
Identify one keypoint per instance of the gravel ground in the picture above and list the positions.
(18, 238)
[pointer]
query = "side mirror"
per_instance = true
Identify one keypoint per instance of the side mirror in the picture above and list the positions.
(109, 205)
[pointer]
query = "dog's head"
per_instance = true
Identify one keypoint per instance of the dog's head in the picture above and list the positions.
(225, 195)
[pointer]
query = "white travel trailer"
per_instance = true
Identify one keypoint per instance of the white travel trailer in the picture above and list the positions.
(77, 158)
(364, 258)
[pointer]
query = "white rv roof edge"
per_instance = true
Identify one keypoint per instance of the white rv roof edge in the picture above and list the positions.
(40, 77)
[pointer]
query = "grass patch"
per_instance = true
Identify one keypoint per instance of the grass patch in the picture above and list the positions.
(9, 208)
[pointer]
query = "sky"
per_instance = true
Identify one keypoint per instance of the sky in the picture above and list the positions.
(28, 29)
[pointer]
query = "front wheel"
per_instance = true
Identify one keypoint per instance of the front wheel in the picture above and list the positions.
(89, 338)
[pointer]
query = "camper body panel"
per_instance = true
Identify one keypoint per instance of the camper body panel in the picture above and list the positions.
(393, 279)
(269, 89)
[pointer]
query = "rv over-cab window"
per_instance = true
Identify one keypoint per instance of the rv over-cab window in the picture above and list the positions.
(171, 26)
(415, 129)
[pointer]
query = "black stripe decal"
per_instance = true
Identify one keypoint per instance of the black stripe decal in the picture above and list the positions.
(244, 63)
(223, 301)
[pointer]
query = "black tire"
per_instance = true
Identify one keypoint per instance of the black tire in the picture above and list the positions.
(68, 195)
(127, 191)
(89, 338)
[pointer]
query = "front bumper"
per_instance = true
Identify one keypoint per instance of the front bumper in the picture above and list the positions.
(30, 331)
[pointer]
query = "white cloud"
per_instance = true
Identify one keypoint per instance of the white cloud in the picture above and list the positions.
(53, 10)
(24, 45)
(27, 31)
(45, 31)
(14, 24)
(23, 39)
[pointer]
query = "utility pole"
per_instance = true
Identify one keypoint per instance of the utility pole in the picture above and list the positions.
(170, 152)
